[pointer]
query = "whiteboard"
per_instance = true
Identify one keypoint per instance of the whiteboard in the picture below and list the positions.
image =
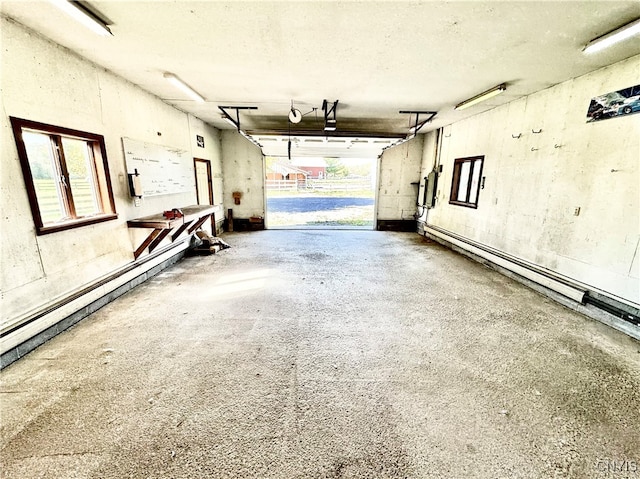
(163, 170)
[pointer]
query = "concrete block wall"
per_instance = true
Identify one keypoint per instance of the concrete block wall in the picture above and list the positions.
(535, 183)
(212, 151)
(399, 171)
(243, 169)
(45, 82)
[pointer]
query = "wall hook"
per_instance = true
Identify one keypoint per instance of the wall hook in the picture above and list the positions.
(516, 136)
(447, 136)
(536, 132)
(534, 149)
(557, 146)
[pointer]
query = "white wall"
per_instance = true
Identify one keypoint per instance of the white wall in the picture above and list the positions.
(534, 183)
(212, 151)
(428, 163)
(399, 168)
(243, 169)
(45, 82)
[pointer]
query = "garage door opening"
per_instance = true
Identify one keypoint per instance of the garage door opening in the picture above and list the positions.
(320, 192)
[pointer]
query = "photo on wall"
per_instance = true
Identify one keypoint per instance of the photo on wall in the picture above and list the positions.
(617, 103)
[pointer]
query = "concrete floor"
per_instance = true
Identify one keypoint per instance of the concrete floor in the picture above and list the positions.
(326, 354)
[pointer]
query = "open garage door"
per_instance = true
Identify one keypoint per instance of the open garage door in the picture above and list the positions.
(312, 192)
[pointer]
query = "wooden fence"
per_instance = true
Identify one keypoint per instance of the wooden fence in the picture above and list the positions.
(319, 185)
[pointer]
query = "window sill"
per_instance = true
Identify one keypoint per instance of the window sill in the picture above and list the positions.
(466, 205)
(67, 225)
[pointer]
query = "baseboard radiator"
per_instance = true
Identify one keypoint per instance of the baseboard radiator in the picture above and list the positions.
(615, 313)
(36, 327)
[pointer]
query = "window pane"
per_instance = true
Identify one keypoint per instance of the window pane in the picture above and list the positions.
(473, 196)
(465, 169)
(81, 175)
(45, 176)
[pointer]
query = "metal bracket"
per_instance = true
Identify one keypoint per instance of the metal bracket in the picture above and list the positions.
(329, 115)
(418, 124)
(229, 118)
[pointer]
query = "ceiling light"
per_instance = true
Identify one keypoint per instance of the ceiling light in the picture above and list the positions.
(184, 87)
(496, 90)
(83, 15)
(618, 35)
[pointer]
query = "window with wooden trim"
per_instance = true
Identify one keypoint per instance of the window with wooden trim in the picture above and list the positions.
(465, 186)
(66, 175)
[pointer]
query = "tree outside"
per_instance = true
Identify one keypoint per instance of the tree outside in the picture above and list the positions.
(335, 168)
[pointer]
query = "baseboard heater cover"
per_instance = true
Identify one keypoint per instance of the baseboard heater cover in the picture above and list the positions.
(614, 313)
(613, 309)
(561, 287)
(39, 327)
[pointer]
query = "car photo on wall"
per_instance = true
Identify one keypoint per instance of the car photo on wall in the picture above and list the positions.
(617, 103)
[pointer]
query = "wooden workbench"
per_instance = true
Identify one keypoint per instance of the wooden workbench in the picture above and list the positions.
(194, 217)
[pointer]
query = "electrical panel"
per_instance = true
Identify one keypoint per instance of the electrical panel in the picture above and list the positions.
(430, 189)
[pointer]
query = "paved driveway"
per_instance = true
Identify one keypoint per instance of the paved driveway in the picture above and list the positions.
(305, 204)
(320, 211)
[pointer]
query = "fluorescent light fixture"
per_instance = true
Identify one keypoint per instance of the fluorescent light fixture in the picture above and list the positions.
(184, 87)
(83, 15)
(485, 95)
(618, 35)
